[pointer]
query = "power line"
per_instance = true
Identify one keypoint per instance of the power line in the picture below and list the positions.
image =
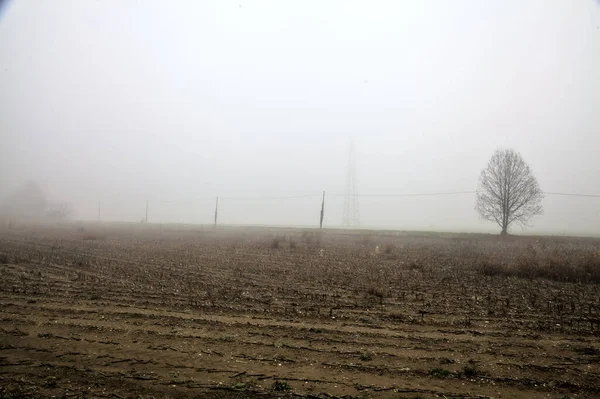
(459, 193)
(573, 195)
(183, 200)
(350, 214)
(191, 200)
(270, 198)
(407, 195)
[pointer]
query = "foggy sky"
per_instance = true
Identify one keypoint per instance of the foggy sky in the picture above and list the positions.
(123, 101)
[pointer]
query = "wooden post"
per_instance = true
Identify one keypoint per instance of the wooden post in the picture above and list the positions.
(216, 211)
(146, 220)
(322, 211)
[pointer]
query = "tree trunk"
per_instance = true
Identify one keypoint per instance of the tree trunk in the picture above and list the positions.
(504, 231)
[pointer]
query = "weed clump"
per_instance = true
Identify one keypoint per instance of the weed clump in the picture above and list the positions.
(51, 382)
(470, 370)
(375, 292)
(439, 373)
(587, 350)
(280, 386)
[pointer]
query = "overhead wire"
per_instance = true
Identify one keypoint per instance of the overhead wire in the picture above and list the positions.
(267, 198)
(407, 195)
(573, 194)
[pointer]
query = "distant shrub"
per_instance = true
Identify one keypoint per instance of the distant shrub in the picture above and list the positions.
(276, 242)
(591, 266)
(292, 244)
(311, 238)
(389, 249)
(489, 267)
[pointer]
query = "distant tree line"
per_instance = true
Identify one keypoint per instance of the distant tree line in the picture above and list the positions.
(29, 202)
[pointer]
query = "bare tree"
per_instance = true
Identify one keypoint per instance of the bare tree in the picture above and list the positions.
(508, 192)
(61, 211)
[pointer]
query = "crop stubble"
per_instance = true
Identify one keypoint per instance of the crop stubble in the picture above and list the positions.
(107, 310)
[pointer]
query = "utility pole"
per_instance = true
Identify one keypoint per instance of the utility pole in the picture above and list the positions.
(216, 211)
(146, 211)
(322, 211)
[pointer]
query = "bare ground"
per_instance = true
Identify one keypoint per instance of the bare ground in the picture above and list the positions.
(152, 311)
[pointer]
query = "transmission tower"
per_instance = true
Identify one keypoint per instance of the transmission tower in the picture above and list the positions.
(351, 217)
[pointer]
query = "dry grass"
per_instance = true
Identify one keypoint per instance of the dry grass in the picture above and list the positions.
(560, 262)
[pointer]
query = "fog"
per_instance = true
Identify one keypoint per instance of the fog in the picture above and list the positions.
(108, 104)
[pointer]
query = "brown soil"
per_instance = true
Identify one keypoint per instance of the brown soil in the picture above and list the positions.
(151, 311)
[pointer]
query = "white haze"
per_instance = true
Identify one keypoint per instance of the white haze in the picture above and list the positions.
(127, 101)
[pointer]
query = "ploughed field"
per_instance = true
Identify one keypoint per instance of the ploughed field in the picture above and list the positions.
(121, 310)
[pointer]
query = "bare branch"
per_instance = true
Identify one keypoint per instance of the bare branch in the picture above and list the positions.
(508, 192)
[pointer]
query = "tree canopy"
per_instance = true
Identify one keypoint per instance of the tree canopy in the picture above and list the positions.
(508, 191)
